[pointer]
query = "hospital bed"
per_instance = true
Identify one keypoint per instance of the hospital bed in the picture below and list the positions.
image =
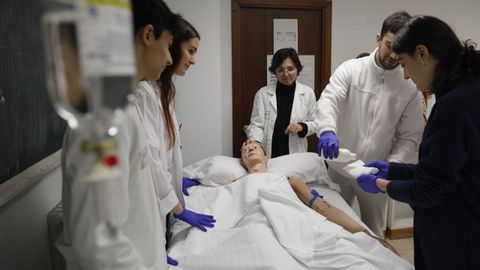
(261, 224)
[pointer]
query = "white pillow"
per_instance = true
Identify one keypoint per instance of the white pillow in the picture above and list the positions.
(222, 170)
(216, 170)
(306, 166)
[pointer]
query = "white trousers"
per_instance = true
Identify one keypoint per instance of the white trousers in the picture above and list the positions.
(373, 207)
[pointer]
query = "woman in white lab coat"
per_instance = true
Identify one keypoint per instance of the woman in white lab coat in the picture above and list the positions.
(156, 106)
(283, 112)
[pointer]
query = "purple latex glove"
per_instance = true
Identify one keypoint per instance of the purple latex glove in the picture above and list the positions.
(171, 261)
(196, 220)
(382, 167)
(368, 182)
(330, 145)
(188, 182)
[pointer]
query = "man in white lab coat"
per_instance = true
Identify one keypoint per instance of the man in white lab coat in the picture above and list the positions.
(369, 108)
(115, 223)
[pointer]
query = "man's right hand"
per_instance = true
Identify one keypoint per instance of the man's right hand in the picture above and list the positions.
(328, 144)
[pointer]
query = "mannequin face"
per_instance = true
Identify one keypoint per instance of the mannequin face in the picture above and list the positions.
(189, 50)
(287, 72)
(253, 154)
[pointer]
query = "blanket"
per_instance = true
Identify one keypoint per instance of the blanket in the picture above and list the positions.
(261, 224)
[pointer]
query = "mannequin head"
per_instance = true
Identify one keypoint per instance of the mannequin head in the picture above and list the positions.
(254, 158)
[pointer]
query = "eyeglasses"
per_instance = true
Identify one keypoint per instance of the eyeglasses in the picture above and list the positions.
(288, 70)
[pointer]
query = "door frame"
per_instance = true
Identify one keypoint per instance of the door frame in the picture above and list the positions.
(324, 5)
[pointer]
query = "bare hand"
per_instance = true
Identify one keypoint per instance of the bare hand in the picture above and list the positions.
(293, 129)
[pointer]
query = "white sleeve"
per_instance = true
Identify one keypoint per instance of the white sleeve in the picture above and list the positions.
(154, 129)
(331, 100)
(257, 120)
(311, 103)
(409, 130)
(97, 211)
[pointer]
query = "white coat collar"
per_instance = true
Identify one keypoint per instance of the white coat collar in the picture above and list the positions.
(299, 90)
(273, 86)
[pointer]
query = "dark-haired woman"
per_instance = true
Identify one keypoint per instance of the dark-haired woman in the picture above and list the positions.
(156, 105)
(283, 112)
(444, 187)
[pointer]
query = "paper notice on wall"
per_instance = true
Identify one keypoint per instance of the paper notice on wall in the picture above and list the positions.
(307, 76)
(285, 34)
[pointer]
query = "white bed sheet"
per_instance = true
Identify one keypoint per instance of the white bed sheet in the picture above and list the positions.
(261, 224)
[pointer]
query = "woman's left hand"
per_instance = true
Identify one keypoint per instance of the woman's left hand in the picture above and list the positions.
(293, 129)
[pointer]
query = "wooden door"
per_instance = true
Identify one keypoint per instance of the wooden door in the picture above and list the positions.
(252, 41)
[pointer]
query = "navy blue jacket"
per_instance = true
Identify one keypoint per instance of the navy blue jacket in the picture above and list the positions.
(444, 187)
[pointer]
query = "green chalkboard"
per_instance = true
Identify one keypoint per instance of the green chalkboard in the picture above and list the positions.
(30, 129)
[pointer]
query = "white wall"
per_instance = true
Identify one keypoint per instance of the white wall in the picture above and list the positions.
(204, 95)
(23, 225)
(356, 23)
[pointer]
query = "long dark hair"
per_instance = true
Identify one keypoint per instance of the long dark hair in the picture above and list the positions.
(182, 31)
(454, 59)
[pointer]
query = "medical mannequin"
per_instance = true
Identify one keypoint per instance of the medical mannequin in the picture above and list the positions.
(370, 109)
(283, 113)
(254, 159)
(115, 223)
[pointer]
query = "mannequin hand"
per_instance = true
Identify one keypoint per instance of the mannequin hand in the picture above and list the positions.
(382, 167)
(330, 145)
(368, 183)
(188, 182)
(293, 129)
(171, 261)
(196, 220)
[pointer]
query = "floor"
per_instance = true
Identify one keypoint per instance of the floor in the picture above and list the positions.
(404, 247)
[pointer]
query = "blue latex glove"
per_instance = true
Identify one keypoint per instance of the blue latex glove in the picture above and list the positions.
(188, 182)
(171, 261)
(196, 220)
(368, 182)
(330, 145)
(382, 167)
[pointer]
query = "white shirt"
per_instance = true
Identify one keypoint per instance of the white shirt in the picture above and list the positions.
(375, 113)
(264, 114)
(114, 223)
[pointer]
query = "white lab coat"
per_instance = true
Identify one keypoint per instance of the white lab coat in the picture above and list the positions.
(264, 114)
(134, 237)
(375, 113)
(166, 184)
(175, 159)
